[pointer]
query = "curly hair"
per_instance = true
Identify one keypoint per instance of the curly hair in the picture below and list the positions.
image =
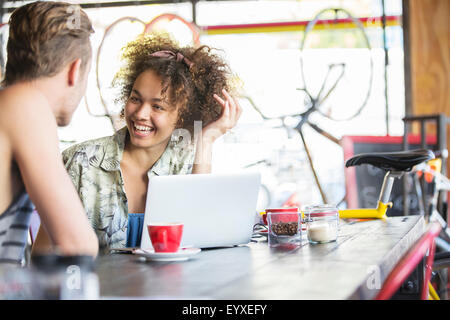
(189, 89)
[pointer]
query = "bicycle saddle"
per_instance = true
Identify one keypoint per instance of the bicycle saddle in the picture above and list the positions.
(392, 161)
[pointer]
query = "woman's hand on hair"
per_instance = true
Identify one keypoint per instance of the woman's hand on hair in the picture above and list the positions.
(231, 112)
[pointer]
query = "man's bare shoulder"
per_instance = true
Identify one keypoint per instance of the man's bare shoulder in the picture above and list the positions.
(25, 112)
(22, 104)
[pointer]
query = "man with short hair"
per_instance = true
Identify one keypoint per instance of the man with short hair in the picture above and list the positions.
(48, 60)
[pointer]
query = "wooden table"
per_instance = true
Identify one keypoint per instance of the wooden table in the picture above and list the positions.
(353, 267)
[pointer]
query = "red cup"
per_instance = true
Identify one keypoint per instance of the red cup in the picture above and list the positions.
(165, 237)
(264, 218)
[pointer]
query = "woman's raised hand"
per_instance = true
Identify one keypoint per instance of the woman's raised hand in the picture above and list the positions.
(231, 112)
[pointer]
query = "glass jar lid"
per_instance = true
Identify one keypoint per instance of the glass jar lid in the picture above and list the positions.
(282, 210)
(324, 210)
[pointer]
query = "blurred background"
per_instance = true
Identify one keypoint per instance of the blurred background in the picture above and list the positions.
(320, 70)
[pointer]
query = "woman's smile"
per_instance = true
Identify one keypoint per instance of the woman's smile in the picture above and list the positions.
(143, 131)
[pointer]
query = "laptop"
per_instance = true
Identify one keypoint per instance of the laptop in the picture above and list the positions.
(218, 210)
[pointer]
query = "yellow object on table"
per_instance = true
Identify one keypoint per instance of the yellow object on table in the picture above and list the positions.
(373, 213)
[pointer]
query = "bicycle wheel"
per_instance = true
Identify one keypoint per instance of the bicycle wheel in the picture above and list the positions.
(187, 33)
(336, 64)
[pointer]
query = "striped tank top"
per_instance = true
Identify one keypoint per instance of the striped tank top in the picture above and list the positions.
(14, 225)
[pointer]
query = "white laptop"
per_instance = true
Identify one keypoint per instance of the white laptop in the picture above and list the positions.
(217, 209)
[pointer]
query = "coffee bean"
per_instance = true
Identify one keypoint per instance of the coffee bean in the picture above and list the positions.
(285, 228)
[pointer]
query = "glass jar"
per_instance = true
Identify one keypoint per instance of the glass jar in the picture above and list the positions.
(322, 223)
(58, 277)
(80, 280)
(15, 282)
(47, 277)
(284, 227)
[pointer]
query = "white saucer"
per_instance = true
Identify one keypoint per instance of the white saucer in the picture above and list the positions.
(181, 255)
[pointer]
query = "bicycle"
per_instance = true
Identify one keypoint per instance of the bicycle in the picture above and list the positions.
(428, 184)
(396, 164)
(328, 22)
(335, 79)
(314, 104)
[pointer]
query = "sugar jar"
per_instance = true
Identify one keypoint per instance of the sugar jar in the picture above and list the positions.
(322, 223)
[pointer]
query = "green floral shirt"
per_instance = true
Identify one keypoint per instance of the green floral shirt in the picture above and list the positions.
(94, 167)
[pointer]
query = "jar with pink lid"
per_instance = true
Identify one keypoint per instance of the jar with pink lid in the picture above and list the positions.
(284, 227)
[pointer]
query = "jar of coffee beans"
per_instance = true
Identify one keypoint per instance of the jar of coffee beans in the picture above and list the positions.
(284, 227)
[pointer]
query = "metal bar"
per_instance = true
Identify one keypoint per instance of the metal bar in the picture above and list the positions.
(423, 184)
(324, 133)
(426, 205)
(386, 63)
(2, 10)
(2, 40)
(386, 188)
(405, 177)
(441, 133)
(321, 101)
(316, 178)
(425, 117)
(113, 4)
(388, 183)
(194, 11)
(407, 57)
(442, 145)
(418, 189)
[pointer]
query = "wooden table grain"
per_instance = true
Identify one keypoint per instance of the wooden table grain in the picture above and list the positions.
(353, 267)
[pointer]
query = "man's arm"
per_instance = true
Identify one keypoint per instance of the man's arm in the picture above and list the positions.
(33, 133)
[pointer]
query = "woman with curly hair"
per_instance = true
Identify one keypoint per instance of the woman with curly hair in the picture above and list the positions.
(170, 93)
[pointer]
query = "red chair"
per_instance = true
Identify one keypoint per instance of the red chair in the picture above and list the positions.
(410, 261)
